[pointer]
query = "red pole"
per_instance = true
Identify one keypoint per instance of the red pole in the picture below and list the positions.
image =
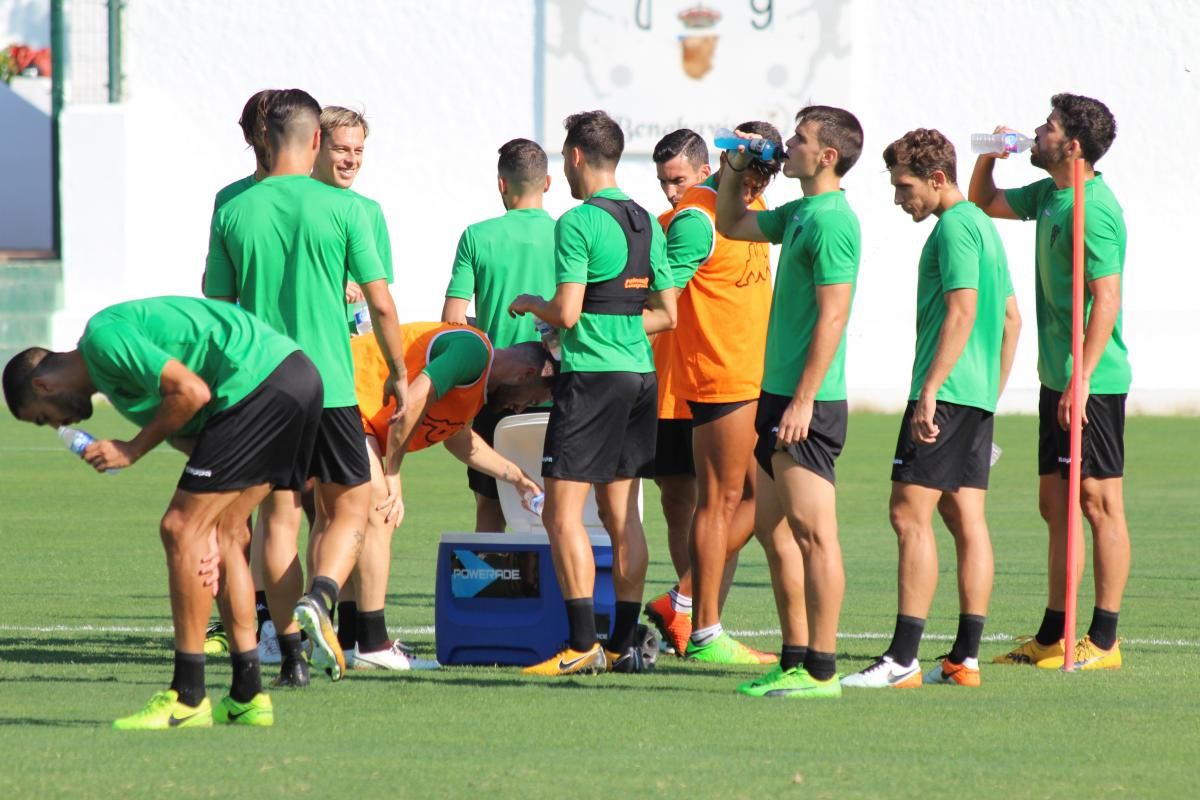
(1075, 389)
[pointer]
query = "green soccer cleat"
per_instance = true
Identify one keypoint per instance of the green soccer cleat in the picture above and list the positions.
(164, 711)
(216, 641)
(792, 683)
(725, 649)
(258, 712)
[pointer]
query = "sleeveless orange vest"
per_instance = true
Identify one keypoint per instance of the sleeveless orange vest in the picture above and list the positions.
(670, 405)
(448, 415)
(723, 313)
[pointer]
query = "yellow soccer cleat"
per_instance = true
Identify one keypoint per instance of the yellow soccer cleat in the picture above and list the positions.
(571, 662)
(1033, 653)
(164, 712)
(1089, 656)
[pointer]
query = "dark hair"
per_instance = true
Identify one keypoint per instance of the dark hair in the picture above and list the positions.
(766, 170)
(839, 129)
(922, 152)
(281, 113)
(683, 142)
(19, 374)
(248, 122)
(522, 163)
(1087, 121)
(598, 135)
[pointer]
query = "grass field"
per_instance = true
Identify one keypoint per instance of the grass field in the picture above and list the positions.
(85, 637)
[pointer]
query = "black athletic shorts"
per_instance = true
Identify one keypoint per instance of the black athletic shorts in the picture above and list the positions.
(961, 456)
(603, 427)
(266, 437)
(340, 455)
(817, 453)
(485, 425)
(1103, 446)
(704, 413)
(673, 450)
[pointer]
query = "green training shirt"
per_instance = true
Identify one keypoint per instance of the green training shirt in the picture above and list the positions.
(821, 247)
(498, 259)
(126, 346)
(383, 243)
(456, 358)
(285, 249)
(963, 251)
(1104, 255)
(231, 191)
(589, 247)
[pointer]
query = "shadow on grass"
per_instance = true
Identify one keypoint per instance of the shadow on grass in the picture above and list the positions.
(113, 649)
(54, 723)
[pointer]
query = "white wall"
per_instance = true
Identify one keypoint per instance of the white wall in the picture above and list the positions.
(444, 84)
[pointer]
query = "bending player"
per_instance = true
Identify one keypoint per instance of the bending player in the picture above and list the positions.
(967, 326)
(249, 404)
(285, 250)
(801, 418)
(613, 288)
(454, 374)
(1078, 128)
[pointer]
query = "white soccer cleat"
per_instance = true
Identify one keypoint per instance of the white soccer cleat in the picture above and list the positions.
(268, 645)
(394, 658)
(886, 674)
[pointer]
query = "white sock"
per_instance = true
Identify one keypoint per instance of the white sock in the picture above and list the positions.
(680, 602)
(971, 663)
(703, 636)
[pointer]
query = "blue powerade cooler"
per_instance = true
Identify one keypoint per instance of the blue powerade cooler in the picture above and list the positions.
(498, 599)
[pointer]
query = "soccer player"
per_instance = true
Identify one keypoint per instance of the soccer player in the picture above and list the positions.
(681, 162)
(245, 404)
(801, 418)
(454, 373)
(614, 288)
(720, 280)
(967, 325)
(284, 249)
(498, 259)
(1078, 128)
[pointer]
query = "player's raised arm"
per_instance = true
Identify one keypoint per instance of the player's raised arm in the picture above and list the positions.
(983, 192)
(734, 220)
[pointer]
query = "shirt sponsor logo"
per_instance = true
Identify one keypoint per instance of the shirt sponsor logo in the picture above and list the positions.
(197, 472)
(547, 459)
(637, 283)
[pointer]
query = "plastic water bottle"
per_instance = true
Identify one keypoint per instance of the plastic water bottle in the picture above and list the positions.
(762, 149)
(362, 318)
(982, 143)
(537, 502)
(77, 441)
(549, 338)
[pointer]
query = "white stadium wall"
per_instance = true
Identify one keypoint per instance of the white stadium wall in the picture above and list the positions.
(445, 83)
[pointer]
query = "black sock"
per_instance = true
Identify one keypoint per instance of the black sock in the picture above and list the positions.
(247, 676)
(624, 626)
(581, 619)
(966, 641)
(1103, 631)
(372, 631)
(1052, 627)
(289, 647)
(793, 655)
(906, 639)
(260, 608)
(189, 678)
(326, 589)
(348, 624)
(821, 666)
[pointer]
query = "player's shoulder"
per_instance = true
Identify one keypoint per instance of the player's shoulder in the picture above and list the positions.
(370, 205)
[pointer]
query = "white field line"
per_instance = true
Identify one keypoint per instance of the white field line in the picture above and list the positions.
(427, 630)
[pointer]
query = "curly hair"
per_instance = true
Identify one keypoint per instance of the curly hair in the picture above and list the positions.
(1087, 121)
(922, 152)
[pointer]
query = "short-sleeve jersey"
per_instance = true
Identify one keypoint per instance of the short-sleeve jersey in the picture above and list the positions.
(1104, 255)
(457, 359)
(590, 247)
(383, 242)
(285, 248)
(722, 328)
(227, 193)
(670, 404)
(821, 247)
(498, 259)
(126, 347)
(963, 251)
